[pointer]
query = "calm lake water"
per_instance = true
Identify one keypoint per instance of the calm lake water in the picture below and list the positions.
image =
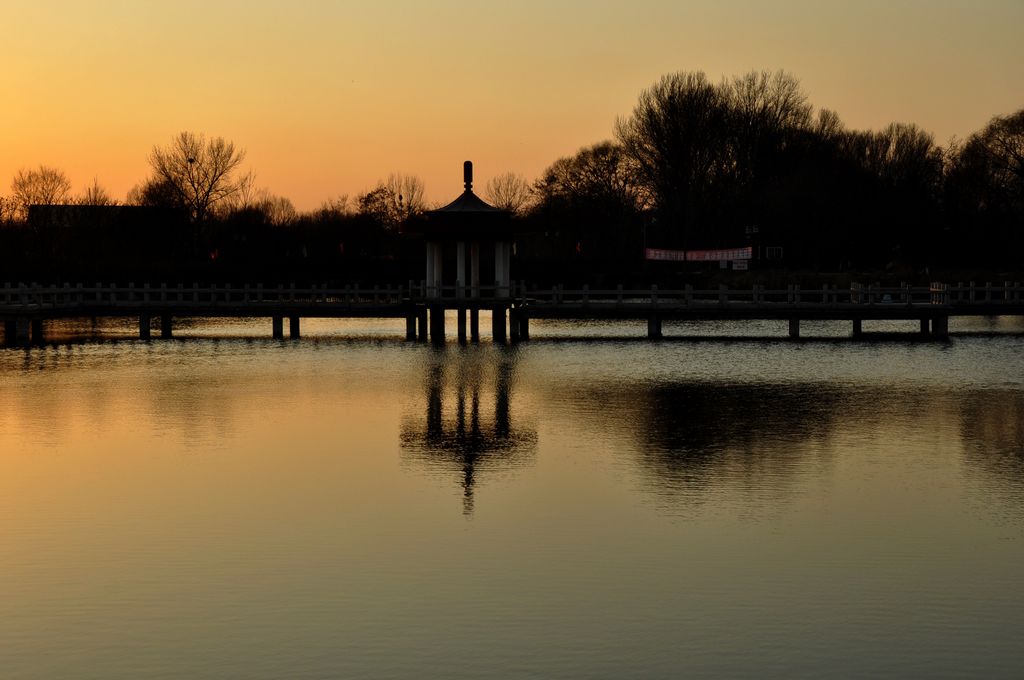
(350, 505)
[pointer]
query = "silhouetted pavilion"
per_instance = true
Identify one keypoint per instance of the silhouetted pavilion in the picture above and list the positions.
(468, 220)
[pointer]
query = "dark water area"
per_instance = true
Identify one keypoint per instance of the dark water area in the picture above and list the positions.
(351, 505)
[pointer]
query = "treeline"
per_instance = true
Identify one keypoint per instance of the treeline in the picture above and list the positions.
(697, 164)
(748, 161)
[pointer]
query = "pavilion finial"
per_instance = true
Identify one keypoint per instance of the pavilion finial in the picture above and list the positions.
(467, 175)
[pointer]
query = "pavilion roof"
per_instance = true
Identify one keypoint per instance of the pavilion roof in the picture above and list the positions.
(467, 217)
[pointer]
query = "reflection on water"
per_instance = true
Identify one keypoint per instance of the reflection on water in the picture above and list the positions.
(467, 426)
(992, 429)
(693, 438)
(261, 509)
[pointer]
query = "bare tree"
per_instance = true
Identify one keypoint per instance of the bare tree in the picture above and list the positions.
(394, 201)
(339, 205)
(679, 141)
(997, 156)
(154, 192)
(769, 102)
(8, 210)
(380, 205)
(45, 186)
(95, 195)
(508, 191)
(407, 194)
(828, 125)
(201, 172)
(247, 195)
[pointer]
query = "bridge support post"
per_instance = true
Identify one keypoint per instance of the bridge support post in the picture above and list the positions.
(858, 328)
(461, 316)
(293, 327)
(277, 324)
(16, 332)
(524, 325)
(165, 326)
(421, 323)
(498, 325)
(940, 327)
(474, 324)
(513, 324)
(410, 326)
(654, 327)
(145, 324)
(794, 328)
(37, 331)
(437, 324)
(925, 331)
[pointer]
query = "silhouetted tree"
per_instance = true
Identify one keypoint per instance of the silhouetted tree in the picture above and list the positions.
(984, 191)
(43, 186)
(155, 193)
(201, 172)
(95, 194)
(393, 202)
(8, 210)
(339, 205)
(996, 156)
(276, 210)
(713, 157)
(508, 191)
(678, 141)
(407, 192)
(590, 207)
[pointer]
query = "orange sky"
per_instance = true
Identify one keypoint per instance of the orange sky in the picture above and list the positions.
(328, 96)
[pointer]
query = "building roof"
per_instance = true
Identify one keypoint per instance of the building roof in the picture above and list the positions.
(467, 217)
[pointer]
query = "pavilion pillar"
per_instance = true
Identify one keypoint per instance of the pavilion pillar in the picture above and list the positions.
(794, 328)
(925, 330)
(474, 324)
(410, 326)
(940, 327)
(37, 331)
(277, 324)
(165, 326)
(502, 255)
(430, 269)
(438, 269)
(858, 328)
(435, 264)
(460, 269)
(474, 268)
(293, 327)
(144, 327)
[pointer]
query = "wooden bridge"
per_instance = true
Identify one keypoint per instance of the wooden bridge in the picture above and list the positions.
(24, 309)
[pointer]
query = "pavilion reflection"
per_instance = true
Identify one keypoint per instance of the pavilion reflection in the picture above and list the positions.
(467, 429)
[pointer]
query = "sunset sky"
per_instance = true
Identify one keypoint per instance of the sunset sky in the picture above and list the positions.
(328, 96)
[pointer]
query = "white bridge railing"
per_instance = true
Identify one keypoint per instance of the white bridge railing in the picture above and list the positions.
(66, 296)
(793, 295)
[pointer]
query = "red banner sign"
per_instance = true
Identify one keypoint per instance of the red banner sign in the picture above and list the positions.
(700, 255)
(720, 254)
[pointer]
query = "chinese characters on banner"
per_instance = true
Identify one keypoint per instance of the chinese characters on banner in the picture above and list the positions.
(716, 255)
